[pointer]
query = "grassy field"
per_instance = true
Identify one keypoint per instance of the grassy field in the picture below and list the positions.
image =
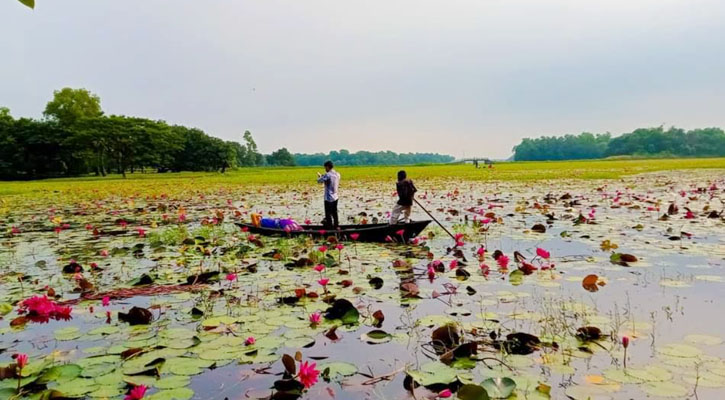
(512, 171)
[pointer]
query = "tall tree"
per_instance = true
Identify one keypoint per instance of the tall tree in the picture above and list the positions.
(69, 106)
(281, 157)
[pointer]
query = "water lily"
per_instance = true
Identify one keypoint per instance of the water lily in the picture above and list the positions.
(141, 232)
(231, 277)
(542, 253)
(104, 253)
(339, 246)
(354, 236)
(15, 230)
(503, 261)
(485, 269)
(308, 374)
(431, 272)
(21, 360)
(481, 251)
(400, 232)
(136, 393)
(322, 248)
(319, 267)
(625, 344)
(43, 308)
(106, 301)
(250, 341)
(453, 264)
(315, 318)
(445, 393)
(323, 281)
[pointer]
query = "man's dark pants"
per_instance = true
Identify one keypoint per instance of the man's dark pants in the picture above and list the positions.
(331, 214)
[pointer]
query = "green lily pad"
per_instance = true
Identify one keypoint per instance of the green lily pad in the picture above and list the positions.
(433, 373)
(665, 389)
(472, 392)
(172, 394)
(376, 336)
(60, 373)
(335, 369)
(499, 388)
(69, 333)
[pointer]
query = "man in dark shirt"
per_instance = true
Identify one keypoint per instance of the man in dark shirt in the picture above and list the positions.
(406, 191)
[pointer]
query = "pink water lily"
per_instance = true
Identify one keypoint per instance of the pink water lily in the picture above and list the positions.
(136, 393)
(319, 267)
(21, 360)
(106, 301)
(431, 272)
(400, 232)
(445, 393)
(453, 264)
(481, 251)
(542, 253)
(315, 318)
(354, 236)
(340, 246)
(503, 261)
(308, 374)
(323, 281)
(322, 248)
(104, 253)
(231, 277)
(250, 341)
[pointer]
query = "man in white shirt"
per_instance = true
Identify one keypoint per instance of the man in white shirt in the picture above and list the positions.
(331, 179)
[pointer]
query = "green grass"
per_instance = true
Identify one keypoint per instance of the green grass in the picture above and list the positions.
(149, 184)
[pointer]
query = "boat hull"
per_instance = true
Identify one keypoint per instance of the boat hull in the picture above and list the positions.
(365, 233)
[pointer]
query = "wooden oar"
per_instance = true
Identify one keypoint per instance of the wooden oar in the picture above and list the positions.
(434, 218)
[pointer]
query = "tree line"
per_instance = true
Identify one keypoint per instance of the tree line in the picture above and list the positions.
(644, 142)
(75, 137)
(345, 157)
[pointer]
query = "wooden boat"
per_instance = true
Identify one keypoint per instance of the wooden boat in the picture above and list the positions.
(361, 233)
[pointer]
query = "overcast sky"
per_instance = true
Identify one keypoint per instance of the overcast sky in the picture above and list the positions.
(456, 77)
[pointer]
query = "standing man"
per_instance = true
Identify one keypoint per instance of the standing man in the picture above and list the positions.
(406, 191)
(331, 179)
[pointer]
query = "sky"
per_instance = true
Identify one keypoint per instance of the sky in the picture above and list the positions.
(465, 78)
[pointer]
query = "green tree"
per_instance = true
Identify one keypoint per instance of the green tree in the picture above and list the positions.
(252, 157)
(281, 157)
(71, 105)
